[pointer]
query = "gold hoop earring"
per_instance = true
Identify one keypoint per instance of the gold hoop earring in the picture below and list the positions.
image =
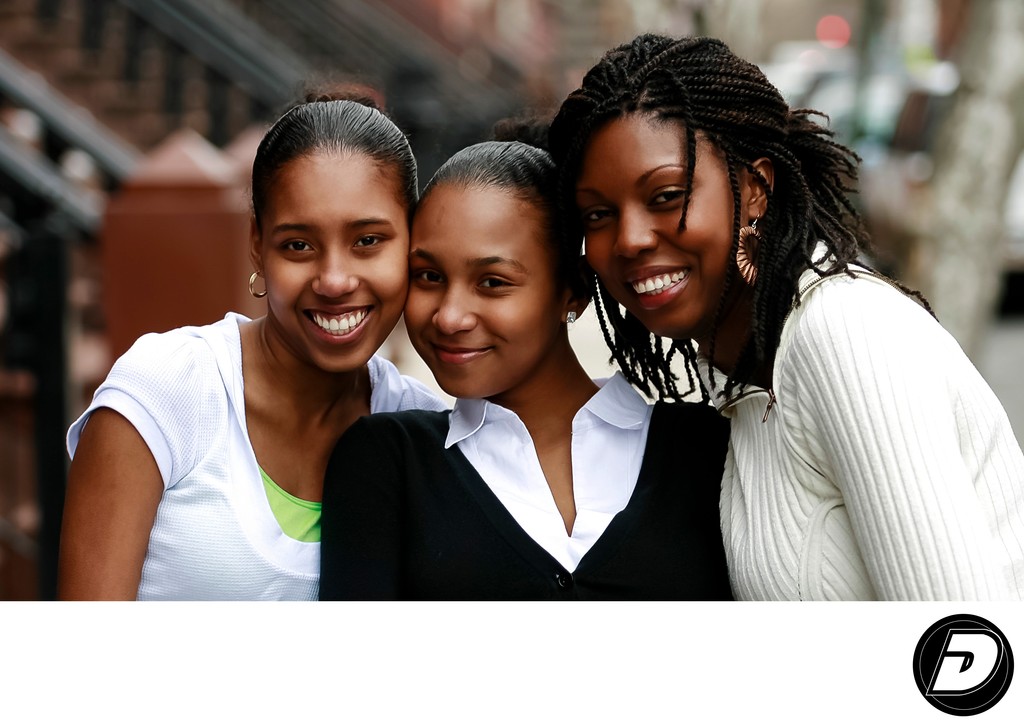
(746, 252)
(252, 281)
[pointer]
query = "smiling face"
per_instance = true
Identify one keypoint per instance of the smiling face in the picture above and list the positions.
(630, 193)
(485, 311)
(332, 243)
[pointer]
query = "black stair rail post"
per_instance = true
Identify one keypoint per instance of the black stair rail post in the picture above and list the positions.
(217, 105)
(48, 10)
(38, 319)
(134, 41)
(93, 21)
(174, 81)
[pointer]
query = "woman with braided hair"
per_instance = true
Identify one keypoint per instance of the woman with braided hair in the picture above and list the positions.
(868, 459)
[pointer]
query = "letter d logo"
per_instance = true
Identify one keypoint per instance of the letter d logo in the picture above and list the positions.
(963, 665)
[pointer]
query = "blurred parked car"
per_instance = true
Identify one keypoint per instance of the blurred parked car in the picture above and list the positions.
(897, 172)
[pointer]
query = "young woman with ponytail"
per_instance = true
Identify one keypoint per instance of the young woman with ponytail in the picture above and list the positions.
(198, 468)
(868, 459)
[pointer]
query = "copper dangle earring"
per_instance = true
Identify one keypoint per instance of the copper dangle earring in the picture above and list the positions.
(252, 281)
(746, 252)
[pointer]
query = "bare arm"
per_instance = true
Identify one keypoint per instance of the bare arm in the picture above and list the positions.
(114, 487)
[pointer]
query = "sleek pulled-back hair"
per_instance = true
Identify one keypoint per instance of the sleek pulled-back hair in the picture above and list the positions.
(328, 124)
(709, 91)
(525, 170)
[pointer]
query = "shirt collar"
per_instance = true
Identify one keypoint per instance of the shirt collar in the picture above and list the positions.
(717, 391)
(466, 418)
(386, 387)
(615, 403)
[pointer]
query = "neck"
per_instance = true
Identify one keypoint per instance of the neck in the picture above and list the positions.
(311, 392)
(548, 401)
(732, 333)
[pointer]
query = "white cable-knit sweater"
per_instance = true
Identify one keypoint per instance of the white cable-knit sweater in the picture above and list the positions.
(215, 536)
(886, 468)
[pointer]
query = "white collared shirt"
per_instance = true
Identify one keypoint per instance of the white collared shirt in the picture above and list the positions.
(608, 438)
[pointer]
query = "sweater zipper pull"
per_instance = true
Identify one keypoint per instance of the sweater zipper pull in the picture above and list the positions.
(771, 402)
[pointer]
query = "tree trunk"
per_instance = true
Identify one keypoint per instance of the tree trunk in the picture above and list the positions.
(960, 249)
(738, 23)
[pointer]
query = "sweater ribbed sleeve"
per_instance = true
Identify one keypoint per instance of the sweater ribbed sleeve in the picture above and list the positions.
(892, 412)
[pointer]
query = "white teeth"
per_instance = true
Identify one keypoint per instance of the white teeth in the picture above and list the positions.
(659, 282)
(341, 324)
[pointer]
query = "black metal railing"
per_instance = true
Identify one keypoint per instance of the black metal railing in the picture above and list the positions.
(75, 128)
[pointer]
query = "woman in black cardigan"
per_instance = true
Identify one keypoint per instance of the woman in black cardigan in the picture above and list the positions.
(541, 483)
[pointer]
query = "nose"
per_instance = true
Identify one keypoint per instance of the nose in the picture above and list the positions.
(636, 233)
(454, 314)
(334, 278)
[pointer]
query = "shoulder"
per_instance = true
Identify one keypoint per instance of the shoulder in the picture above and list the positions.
(381, 444)
(861, 360)
(842, 301)
(690, 412)
(698, 422)
(393, 391)
(169, 386)
(409, 429)
(691, 433)
(845, 323)
(180, 353)
(178, 369)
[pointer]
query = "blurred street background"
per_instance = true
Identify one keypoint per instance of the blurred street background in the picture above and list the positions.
(128, 129)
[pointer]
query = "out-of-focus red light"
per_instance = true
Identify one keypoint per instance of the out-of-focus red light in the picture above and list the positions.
(833, 31)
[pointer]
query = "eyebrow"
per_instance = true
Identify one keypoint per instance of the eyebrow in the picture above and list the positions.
(302, 227)
(488, 261)
(477, 261)
(642, 179)
(648, 174)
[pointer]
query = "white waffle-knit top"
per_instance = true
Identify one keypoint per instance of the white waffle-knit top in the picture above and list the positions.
(886, 468)
(215, 536)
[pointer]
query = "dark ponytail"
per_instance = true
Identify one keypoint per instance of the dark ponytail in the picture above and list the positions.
(518, 163)
(339, 121)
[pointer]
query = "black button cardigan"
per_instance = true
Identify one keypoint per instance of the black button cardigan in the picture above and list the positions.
(404, 518)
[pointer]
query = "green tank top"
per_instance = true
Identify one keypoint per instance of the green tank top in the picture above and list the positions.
(298, 518)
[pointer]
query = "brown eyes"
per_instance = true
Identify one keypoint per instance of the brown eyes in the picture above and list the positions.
(668, 196)
(594, 216)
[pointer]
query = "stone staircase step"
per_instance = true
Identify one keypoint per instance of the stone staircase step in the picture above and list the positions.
(145, 128)
(15, 28)
(14, 8)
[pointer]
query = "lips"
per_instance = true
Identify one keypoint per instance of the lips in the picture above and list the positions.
(459, 355)
(655, 287)
(341, 324)
(656, 283)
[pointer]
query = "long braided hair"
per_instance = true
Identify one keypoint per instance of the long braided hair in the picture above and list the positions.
(705, 88)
